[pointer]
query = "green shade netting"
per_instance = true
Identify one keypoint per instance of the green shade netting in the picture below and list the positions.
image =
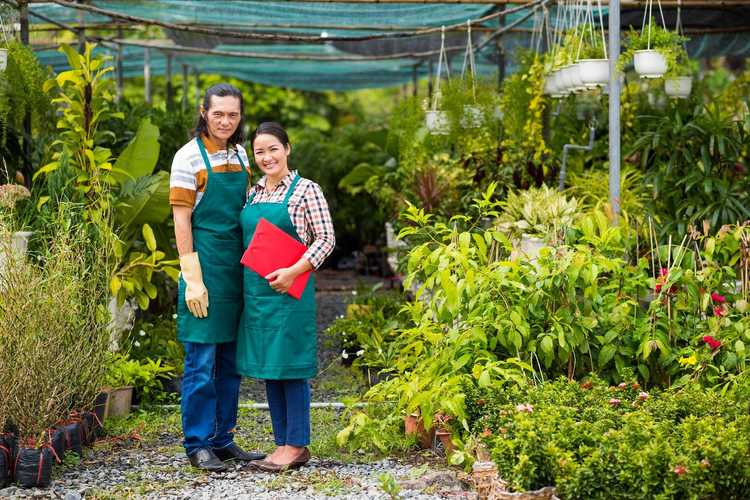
(303, 75)
(299, 17)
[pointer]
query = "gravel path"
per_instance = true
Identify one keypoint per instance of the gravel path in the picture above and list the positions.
(146, 460)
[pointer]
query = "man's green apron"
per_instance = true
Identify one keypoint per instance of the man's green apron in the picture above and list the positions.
(278, 333)
(218, 240)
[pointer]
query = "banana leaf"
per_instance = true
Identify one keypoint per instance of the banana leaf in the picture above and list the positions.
(139, 158)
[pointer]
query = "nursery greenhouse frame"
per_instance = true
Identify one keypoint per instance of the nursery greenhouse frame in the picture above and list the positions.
(343, 45)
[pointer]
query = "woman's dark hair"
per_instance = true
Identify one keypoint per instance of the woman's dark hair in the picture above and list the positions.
(222, 90)
(273, 129)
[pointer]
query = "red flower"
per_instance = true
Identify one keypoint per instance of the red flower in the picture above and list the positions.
(587, 385)
(486, 432)
(680, 470)
(712, 342)
(657, 288)
(635, 386)
(720, 299)
(719, 311)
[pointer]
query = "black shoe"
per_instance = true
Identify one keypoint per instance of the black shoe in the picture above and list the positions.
(205, 459)
(234, 452)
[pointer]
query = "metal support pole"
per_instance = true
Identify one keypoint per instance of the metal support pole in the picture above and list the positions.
(170, 89)
(81, 31)
(23, 11)
(184, 101)
(500, 56)
(120, 76)
(197, 88)
(147, 76)
(614, 108)
(414, 80)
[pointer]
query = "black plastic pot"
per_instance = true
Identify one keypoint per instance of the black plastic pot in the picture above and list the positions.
(93, 426)
(73, 437)
(57, 441)
(8, 451)
(33, 467)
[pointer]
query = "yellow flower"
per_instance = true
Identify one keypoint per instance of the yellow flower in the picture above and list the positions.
(689, 361)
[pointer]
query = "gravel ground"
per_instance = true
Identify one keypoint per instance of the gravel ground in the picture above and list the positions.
(143, 457)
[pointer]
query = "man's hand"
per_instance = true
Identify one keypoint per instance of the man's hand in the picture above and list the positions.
(196, 294)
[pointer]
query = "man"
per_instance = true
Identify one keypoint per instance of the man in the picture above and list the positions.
(208, 187)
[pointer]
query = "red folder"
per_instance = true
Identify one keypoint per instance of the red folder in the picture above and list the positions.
(272, 248)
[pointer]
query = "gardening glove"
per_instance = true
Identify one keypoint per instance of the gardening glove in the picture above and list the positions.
(196, 295)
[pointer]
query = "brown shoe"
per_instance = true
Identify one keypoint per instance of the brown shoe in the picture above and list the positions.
(266, 466)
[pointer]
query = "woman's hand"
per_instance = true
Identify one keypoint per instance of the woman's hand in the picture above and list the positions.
(281, 279)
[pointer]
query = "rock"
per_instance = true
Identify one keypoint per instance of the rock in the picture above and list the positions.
(72, 495)
(546, 493)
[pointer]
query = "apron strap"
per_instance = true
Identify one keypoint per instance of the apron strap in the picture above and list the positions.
(202, 149)
(290, 191)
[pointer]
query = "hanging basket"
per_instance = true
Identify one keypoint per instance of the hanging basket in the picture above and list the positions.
(472, 116)
(594, 72)
(678, 87)
(649, 63)
(437, 122)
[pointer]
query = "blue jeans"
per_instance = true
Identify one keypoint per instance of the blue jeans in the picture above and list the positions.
(210, 393)
(289, 402)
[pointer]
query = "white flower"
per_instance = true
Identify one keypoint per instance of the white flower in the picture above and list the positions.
(345, 354)
(354, 292)
(380, 350)
(360, 352)
(137, 344)
(142, 333)
(174, 316)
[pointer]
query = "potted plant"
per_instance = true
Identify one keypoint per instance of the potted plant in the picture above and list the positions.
(436, 120)
(444, 434)
(593, 63)
(534, 217)
(654, 52)
(414, 425)
(678, 82)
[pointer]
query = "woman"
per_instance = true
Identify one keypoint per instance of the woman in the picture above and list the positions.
(278, 335)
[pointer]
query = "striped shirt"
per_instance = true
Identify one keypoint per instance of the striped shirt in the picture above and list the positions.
(308, 211)
(188, 177)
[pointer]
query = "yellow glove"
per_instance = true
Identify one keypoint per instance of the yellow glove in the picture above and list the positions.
(196, 295)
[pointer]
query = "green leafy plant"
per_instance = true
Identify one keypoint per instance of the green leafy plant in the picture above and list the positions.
(145, 376)
(668, 43)
(538, 212)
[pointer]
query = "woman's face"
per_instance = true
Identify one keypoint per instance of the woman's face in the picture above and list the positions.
(271, 156)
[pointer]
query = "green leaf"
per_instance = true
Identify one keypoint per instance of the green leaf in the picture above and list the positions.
(145, 201)
(140, 156)
(547, 345)
(606, 354)
(148, 237)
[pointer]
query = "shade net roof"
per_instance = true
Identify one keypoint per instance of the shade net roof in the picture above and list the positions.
(407, 56)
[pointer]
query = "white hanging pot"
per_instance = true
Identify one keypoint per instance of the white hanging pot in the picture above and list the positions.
(678, 87)
(472, 117)
(437, 122)
(594, 72)
(549, 84)
(649, 63)
(3, 59)
(576, 80)
(567, 79)
(560, 86)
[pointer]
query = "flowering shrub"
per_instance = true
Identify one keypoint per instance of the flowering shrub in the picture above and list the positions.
(686, 443)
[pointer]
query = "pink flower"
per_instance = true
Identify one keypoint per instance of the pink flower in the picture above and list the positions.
(680, 470)
(622, 386)
(614, 402)
(719, 299)
(524, 407)
(663, 271)
(643, 396)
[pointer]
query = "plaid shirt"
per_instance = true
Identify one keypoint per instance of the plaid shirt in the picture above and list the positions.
(308, 211)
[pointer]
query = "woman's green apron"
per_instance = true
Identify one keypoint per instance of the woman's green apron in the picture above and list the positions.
(218, 240)
(278, 333)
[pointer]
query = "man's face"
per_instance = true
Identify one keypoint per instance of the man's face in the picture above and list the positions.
(222, 116)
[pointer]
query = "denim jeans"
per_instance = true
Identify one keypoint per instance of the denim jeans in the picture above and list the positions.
(289, 402)
(210, 393)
